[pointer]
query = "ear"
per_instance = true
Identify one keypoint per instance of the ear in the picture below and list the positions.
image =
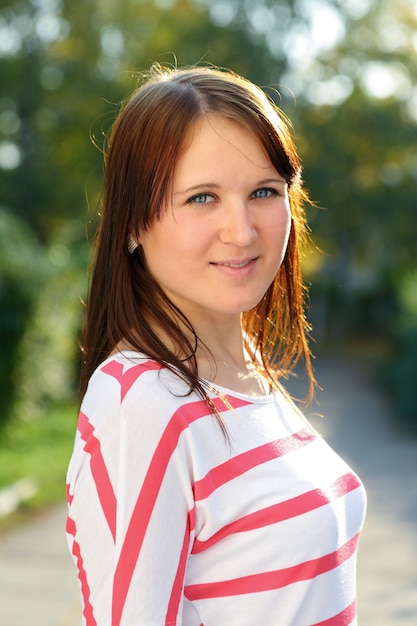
(132, 244)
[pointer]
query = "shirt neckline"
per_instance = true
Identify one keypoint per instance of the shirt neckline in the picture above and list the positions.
(213, 387)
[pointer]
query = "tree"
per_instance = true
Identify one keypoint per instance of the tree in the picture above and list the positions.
(357, 118)
(65, 66)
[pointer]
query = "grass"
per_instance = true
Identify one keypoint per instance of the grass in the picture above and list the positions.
(37, 451)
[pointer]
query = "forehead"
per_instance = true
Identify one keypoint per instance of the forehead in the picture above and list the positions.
(215, 139)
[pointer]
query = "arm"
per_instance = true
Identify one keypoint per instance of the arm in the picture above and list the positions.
(131, 503)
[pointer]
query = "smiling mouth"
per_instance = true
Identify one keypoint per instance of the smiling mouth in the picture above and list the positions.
(236, 264)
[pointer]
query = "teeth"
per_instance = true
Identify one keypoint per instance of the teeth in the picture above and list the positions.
(236, 265)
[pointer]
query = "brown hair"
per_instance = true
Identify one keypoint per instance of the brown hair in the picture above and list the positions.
(125, 303)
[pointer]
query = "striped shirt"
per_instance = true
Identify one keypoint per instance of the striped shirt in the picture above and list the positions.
(171, 523)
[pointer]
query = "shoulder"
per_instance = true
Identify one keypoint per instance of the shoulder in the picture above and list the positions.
(129, 382)
(129, 371)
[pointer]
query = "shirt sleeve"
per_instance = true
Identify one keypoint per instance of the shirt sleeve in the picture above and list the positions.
(131, 506)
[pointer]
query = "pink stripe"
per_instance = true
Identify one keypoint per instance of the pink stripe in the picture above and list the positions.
(128, 378)
(284, 510)
(268, 581)
(177, 589)
(244, 462)
(70, 497)
(344, 618)
(99, 472)
(142, 512)
(82, 576)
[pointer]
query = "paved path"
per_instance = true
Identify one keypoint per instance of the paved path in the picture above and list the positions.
(37, 579)
(359, 423)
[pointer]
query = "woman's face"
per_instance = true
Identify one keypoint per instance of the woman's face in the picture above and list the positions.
(222, 237)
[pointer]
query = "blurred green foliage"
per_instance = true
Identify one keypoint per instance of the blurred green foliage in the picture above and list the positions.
(400, 373)
(345, 73)
(34, 458)
(20, 279)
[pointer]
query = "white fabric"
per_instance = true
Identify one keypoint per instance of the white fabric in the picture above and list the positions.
(171, 524)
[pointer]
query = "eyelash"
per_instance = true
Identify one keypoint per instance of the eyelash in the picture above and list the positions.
(194, 199)
(270, 191)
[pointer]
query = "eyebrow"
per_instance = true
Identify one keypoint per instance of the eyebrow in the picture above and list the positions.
(202, 185)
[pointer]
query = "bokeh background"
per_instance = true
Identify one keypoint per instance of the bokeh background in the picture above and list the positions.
(344, 71)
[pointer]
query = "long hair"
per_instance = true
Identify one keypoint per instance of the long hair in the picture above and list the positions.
(125, 302)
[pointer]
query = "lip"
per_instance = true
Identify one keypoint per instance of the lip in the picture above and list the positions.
(236, 268)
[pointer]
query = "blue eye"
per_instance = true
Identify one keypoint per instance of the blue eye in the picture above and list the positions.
(264, 192)
(201, 198)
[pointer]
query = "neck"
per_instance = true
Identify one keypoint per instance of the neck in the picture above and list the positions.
(221, 341)
(223, 360)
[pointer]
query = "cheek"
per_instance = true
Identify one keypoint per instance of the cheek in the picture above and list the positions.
(279, 235)
(280, 226)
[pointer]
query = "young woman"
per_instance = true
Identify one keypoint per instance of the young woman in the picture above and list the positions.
(198, 494)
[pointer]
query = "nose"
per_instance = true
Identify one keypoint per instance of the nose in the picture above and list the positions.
(237, 224)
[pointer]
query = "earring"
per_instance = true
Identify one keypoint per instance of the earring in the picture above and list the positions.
(131, 244)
